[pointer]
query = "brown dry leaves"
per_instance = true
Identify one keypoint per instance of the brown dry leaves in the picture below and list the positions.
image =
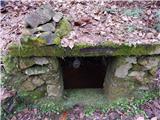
(94, 22)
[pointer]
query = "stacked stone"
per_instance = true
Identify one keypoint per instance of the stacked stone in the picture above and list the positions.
(42, 23)
(40, 75)
(128, 74)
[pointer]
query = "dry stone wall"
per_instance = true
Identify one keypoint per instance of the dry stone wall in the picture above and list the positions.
(128, 74)
(35, 77)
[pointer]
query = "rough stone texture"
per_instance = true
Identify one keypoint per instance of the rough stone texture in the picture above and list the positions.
(28, 86)
(58, 16)
(36, 70)
(37, 74)
(48, 27)
(40, 16)
(125, 75)
(11, 64)
(49, 37)
(37, 81)
(41, 61)
(122, 71)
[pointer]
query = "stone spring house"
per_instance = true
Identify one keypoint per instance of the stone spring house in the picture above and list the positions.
(36, 67)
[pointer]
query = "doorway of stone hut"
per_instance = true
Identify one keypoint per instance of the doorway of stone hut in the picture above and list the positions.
(83, 72)
(83, 79)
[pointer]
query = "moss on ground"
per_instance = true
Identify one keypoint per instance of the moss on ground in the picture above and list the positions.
(31, 96)
(94, 99)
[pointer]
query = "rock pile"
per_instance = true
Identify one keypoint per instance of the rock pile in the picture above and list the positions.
(42, 23)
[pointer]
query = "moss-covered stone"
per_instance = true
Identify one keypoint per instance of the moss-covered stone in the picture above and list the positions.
(31, 96)
(63, 28)
(83, 50)
(10, 64)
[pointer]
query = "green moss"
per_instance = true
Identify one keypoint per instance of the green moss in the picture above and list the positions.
(31, 96)
(135, 50)
(63, 28)
(95, 100)
(10, 64)
(57, 41)
(83, 50)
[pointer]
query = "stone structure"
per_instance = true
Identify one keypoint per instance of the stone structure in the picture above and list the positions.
(33, 68)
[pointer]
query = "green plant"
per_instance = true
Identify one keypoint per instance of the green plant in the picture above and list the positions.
(89, 110)
(47, 105)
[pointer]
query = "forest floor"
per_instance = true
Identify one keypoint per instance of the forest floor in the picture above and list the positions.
(93, 22)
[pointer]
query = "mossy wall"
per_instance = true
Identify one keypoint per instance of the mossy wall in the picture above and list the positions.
(128, 74)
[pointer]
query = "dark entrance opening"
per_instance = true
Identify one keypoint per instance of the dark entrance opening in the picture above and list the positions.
(83, 72)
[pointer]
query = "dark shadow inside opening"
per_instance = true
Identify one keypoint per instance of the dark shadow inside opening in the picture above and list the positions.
(83, 72)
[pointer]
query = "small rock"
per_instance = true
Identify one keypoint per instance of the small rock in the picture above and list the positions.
(49, 27)
(122, 71)
(58, 16)
(153, 71)
(41, 61)
(148, 12)
(150, 35)
(36, 70)
(131, 60)
(53, 90)
(40, 16)
(27, 86)
(136, 73)
(25, 63)
(37, 81)
(49, 37)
